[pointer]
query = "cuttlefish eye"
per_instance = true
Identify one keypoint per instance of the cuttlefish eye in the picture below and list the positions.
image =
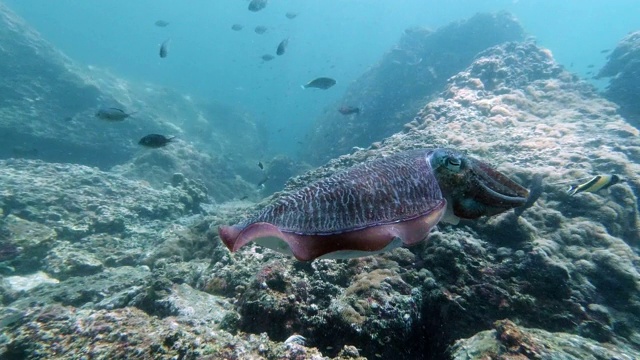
(453, 163)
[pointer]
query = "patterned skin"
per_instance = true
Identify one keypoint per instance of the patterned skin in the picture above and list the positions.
(377, 205)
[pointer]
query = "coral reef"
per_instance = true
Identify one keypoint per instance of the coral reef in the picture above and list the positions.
(509, 341)
(183, 165)
(567, 264)
(74, 219)
(278, 171)
(623, 69)
(101, 266)
(404, 79)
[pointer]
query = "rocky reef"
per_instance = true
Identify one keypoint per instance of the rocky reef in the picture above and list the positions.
(405, 78)
(509, 341)
(567, 264)
(99, 265)
(623, 69)
(47, 112)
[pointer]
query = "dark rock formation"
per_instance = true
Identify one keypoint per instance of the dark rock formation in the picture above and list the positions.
(391, 93)
(623, 68)
(47, 112)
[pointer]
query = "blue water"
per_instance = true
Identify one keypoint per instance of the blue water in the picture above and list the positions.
(337, 38)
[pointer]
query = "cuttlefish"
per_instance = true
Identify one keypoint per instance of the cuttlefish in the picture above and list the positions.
(378, 205)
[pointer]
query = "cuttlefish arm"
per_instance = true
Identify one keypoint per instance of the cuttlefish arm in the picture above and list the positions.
(474, 188)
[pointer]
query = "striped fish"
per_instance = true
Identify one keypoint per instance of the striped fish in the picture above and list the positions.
(597, 183)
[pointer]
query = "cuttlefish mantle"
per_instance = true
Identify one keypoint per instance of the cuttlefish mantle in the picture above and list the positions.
(378, 205)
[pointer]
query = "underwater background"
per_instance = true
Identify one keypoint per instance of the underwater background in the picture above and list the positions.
(340, 39)
(153, 154)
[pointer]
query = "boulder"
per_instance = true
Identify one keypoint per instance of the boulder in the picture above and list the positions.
(392, 91)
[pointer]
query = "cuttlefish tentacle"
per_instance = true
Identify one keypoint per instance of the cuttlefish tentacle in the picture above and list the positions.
(476, 189)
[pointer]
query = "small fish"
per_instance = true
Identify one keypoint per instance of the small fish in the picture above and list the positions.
(155, 141)
(320, 83)
(245, 197)
(604, 51)
(164, 49)
(348, 110)
(597, 183)
(282, 47)
(237, 27)
(262, 182)
(260, 165)
(113, 114)
(267, 57)
(260, 29)
(257, 5)
(161, 23)
(590, 66)
(291, 15)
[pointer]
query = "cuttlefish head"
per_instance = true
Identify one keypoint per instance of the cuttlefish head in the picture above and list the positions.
(472, 187)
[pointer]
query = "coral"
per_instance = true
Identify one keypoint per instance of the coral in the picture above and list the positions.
(278, 170)
(543, 268)
(64, 261)
(141, 272)
(510, 341)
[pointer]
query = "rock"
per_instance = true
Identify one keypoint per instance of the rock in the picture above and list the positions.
(131, 334)
(623, 71)
(25, 243)
(64, 261)
(567, 265)
(378, 307)
(390, 93)
(28, 282)
(48, 108)
(202, 174)
(112, 288)
(103, 218)
(277, 171)
(511, 341)
(543, 268)
(189, 304)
